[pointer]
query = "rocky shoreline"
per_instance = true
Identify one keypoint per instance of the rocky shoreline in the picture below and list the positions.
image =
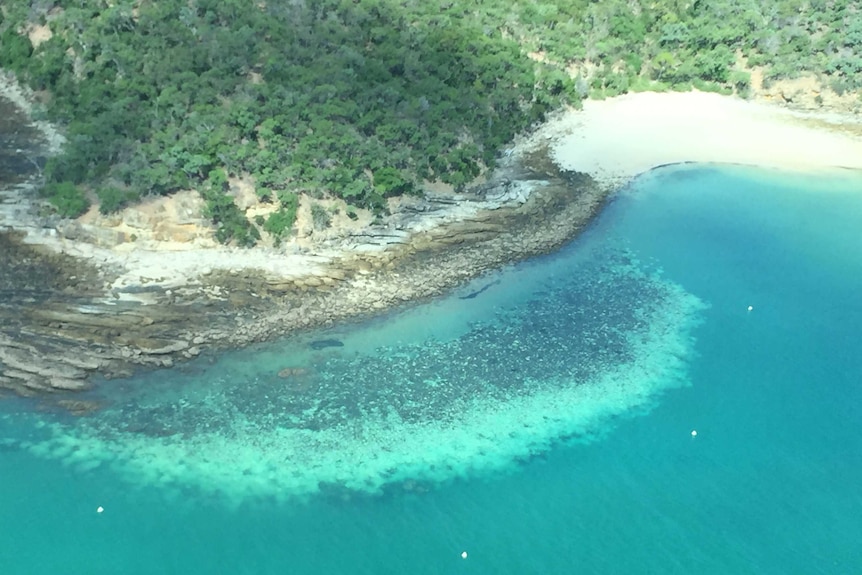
(65, 319)
(148, 288)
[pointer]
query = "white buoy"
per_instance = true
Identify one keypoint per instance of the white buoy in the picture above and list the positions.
(751, 307)
(694, 433)
(463, 554)
(99, 509)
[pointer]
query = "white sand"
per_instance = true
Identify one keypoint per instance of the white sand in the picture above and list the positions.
(616, 139)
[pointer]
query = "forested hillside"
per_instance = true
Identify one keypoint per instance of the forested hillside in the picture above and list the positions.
(364, 99)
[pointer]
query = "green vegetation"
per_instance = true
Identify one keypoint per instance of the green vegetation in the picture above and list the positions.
(112, 198)
(68, 199)
(279, 223)
(222, 210)
(363, 99)
(320, 218)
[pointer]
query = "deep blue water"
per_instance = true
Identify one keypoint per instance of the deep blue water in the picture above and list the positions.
(437, 430)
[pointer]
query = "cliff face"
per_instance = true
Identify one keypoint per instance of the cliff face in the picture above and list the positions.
(805, 93)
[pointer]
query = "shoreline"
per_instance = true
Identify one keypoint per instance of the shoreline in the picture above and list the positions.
(616, 140)
(125, 307)
(121, 327)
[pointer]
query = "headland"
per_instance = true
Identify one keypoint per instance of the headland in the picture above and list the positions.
(149, 286)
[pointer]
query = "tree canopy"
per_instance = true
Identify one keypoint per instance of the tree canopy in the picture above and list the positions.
(364, 99)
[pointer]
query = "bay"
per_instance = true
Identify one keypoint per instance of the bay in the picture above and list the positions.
(608, 482)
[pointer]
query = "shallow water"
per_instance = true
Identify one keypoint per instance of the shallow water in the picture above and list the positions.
(543, 426)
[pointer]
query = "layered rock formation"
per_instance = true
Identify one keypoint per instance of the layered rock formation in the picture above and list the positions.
(100, 308)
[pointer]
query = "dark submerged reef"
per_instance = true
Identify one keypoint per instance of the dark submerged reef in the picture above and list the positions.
(566, 335)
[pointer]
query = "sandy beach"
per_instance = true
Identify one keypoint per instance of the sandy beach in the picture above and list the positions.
(616, 139)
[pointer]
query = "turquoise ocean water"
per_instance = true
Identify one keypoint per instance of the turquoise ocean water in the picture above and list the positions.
(539, 419)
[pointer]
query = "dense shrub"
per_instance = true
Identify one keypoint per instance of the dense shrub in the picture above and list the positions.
(16, 49)
(232, 225)
(320, 218)
(363, 99)
(113, 198)
(68, 199)
(280, 223)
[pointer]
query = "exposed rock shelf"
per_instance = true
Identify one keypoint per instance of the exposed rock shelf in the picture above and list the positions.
(73, 309)
(149, 286)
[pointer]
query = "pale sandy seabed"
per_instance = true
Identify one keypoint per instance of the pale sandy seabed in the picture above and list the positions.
(572, 386)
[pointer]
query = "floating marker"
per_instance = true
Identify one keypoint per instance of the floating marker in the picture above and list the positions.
(99, 509)
(751, 307)
(694, 433)
(463, 554)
